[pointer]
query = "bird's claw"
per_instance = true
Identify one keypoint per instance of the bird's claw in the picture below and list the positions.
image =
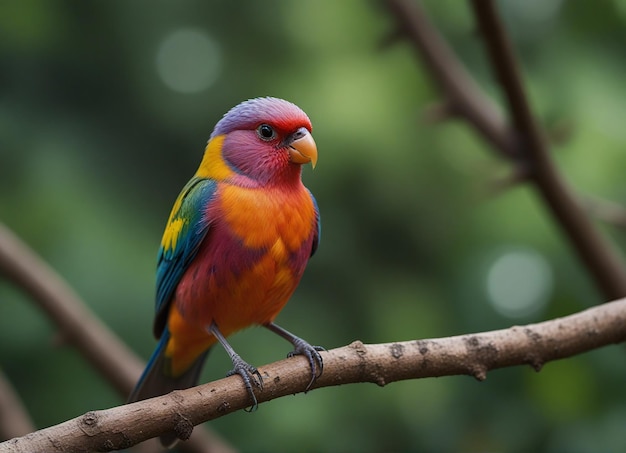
(301, 347)
(250, 375)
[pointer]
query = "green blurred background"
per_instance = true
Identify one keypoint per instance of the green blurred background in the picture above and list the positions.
(105, 108)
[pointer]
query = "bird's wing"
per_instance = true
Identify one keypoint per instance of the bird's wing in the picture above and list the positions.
(317, 229)
(185, 230)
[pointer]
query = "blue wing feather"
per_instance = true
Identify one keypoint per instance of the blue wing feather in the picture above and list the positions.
(318, 226)
(186, 228)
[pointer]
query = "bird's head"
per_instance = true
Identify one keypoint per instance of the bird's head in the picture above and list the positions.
(264, 139)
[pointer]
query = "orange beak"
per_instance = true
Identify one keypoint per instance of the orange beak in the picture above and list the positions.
(303, 150)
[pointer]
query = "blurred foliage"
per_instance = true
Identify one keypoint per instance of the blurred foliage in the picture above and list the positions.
(94, 147)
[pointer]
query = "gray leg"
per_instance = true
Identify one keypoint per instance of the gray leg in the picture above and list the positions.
(248, 373)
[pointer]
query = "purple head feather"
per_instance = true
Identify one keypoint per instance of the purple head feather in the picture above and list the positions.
(251, 113)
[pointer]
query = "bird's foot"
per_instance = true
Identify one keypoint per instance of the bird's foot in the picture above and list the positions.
(250, 376)
(301, 347)
(312, 353)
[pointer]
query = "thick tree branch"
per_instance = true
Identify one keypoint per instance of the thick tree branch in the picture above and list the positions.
(524, 143)
(79, 326)
(474, 355)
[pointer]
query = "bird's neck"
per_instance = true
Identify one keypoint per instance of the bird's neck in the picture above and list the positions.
(286, 180)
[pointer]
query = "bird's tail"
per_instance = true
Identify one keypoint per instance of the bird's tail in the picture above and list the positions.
(155, 381)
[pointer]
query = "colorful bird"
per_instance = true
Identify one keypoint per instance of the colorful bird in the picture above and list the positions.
(235, 246)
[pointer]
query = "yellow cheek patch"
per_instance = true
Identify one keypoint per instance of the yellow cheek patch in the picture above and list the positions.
(213, 165)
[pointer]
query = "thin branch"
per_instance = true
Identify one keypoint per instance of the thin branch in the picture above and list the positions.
(474, 355)
(602, 262)
(462, 93)
(526, 145)
(79, 326)
(14, 419)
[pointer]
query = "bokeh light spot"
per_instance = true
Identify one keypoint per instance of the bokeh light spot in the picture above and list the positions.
(188, 60)
(519, 283)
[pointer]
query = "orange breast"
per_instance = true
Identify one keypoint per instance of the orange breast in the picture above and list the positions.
(260, 217)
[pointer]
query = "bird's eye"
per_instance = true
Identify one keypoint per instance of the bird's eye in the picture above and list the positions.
(265, 132)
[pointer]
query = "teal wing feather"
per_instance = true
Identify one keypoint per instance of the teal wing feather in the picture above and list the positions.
(185, 231)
